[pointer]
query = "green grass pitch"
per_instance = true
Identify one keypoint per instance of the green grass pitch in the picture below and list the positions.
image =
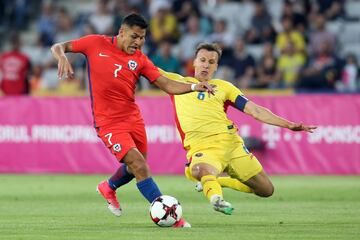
(67, 207)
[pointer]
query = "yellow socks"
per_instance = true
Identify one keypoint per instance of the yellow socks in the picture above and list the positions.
(211, 186)
(233, 184)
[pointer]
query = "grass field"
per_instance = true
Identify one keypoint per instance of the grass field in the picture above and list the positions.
(67, 207)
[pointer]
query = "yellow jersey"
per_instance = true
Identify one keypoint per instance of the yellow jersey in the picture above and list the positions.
(290, 66)
(199, 116)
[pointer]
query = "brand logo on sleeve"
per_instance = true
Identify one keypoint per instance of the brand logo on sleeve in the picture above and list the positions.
(132, 65)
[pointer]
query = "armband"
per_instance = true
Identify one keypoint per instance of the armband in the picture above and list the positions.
(240, 102)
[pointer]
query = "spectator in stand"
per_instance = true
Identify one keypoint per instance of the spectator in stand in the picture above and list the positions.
(190, 39)
(41, 61)
(39, 53)
(322, 70)
(87, 29)
(102, 19)
(332, 9)
(119, 10)
(290, 34)
(243, 65)
(268, 50)
(184, 9)
(261, 25)
(15, 69)
(123, 8)
(18, 12)
(221, 35)
(349, 76)
(35, 82)
(47, 22)
(163, 24)
(268, 75)
(289, 64)
(65, 28)
(164, 59)
(295, 11)
(320, 35)
(236, 13)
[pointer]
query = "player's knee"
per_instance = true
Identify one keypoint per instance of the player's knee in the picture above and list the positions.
(200, 170)
(266, 192)
(189, 175)
(138, 167)
(141, 169)
(269, 192)
(195, 175)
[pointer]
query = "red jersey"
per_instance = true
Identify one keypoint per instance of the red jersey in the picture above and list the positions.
(113, 75)
(14, 67)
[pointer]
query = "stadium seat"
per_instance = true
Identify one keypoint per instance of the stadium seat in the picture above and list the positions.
(352, 9)
(256, 50)
(350, 33)
(353, 48)
(275, 8)
(335, 27)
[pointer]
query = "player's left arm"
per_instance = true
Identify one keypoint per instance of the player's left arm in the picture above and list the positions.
(266, 116)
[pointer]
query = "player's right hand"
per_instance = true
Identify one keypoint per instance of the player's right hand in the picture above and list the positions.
(204, 86)
(302, 127)
(65, 69)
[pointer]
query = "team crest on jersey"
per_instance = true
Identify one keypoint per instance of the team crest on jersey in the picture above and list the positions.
(132, 65)
(117, 147)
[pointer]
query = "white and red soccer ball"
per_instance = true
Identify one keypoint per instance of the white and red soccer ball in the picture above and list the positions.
(165, 211)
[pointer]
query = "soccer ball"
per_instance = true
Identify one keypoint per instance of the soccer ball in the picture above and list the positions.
(165, 211)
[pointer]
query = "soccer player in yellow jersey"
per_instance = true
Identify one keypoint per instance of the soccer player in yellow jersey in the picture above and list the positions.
(210, 138)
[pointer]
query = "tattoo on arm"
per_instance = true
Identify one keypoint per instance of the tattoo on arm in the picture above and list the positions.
(67, 47)
(257, 111)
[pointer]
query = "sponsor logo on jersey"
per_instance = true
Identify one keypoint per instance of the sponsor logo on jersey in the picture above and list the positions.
(132, 65)
(117, 147)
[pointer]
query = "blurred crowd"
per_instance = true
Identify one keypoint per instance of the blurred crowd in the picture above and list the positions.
(309, 45)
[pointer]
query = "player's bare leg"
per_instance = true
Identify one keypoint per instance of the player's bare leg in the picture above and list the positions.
(211, 188)
(137, 164)
(261, 184)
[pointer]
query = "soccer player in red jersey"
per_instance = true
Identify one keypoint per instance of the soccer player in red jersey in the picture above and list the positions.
(15, 67)
(114, 66)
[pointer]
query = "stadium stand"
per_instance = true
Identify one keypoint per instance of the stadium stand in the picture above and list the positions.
(257, 22)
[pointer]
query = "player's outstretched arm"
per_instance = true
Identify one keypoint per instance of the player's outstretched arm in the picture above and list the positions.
(266, 116)
(175, 87)
(64, 67)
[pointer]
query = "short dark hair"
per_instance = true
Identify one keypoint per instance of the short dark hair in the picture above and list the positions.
(134, 19)
(212, 47)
